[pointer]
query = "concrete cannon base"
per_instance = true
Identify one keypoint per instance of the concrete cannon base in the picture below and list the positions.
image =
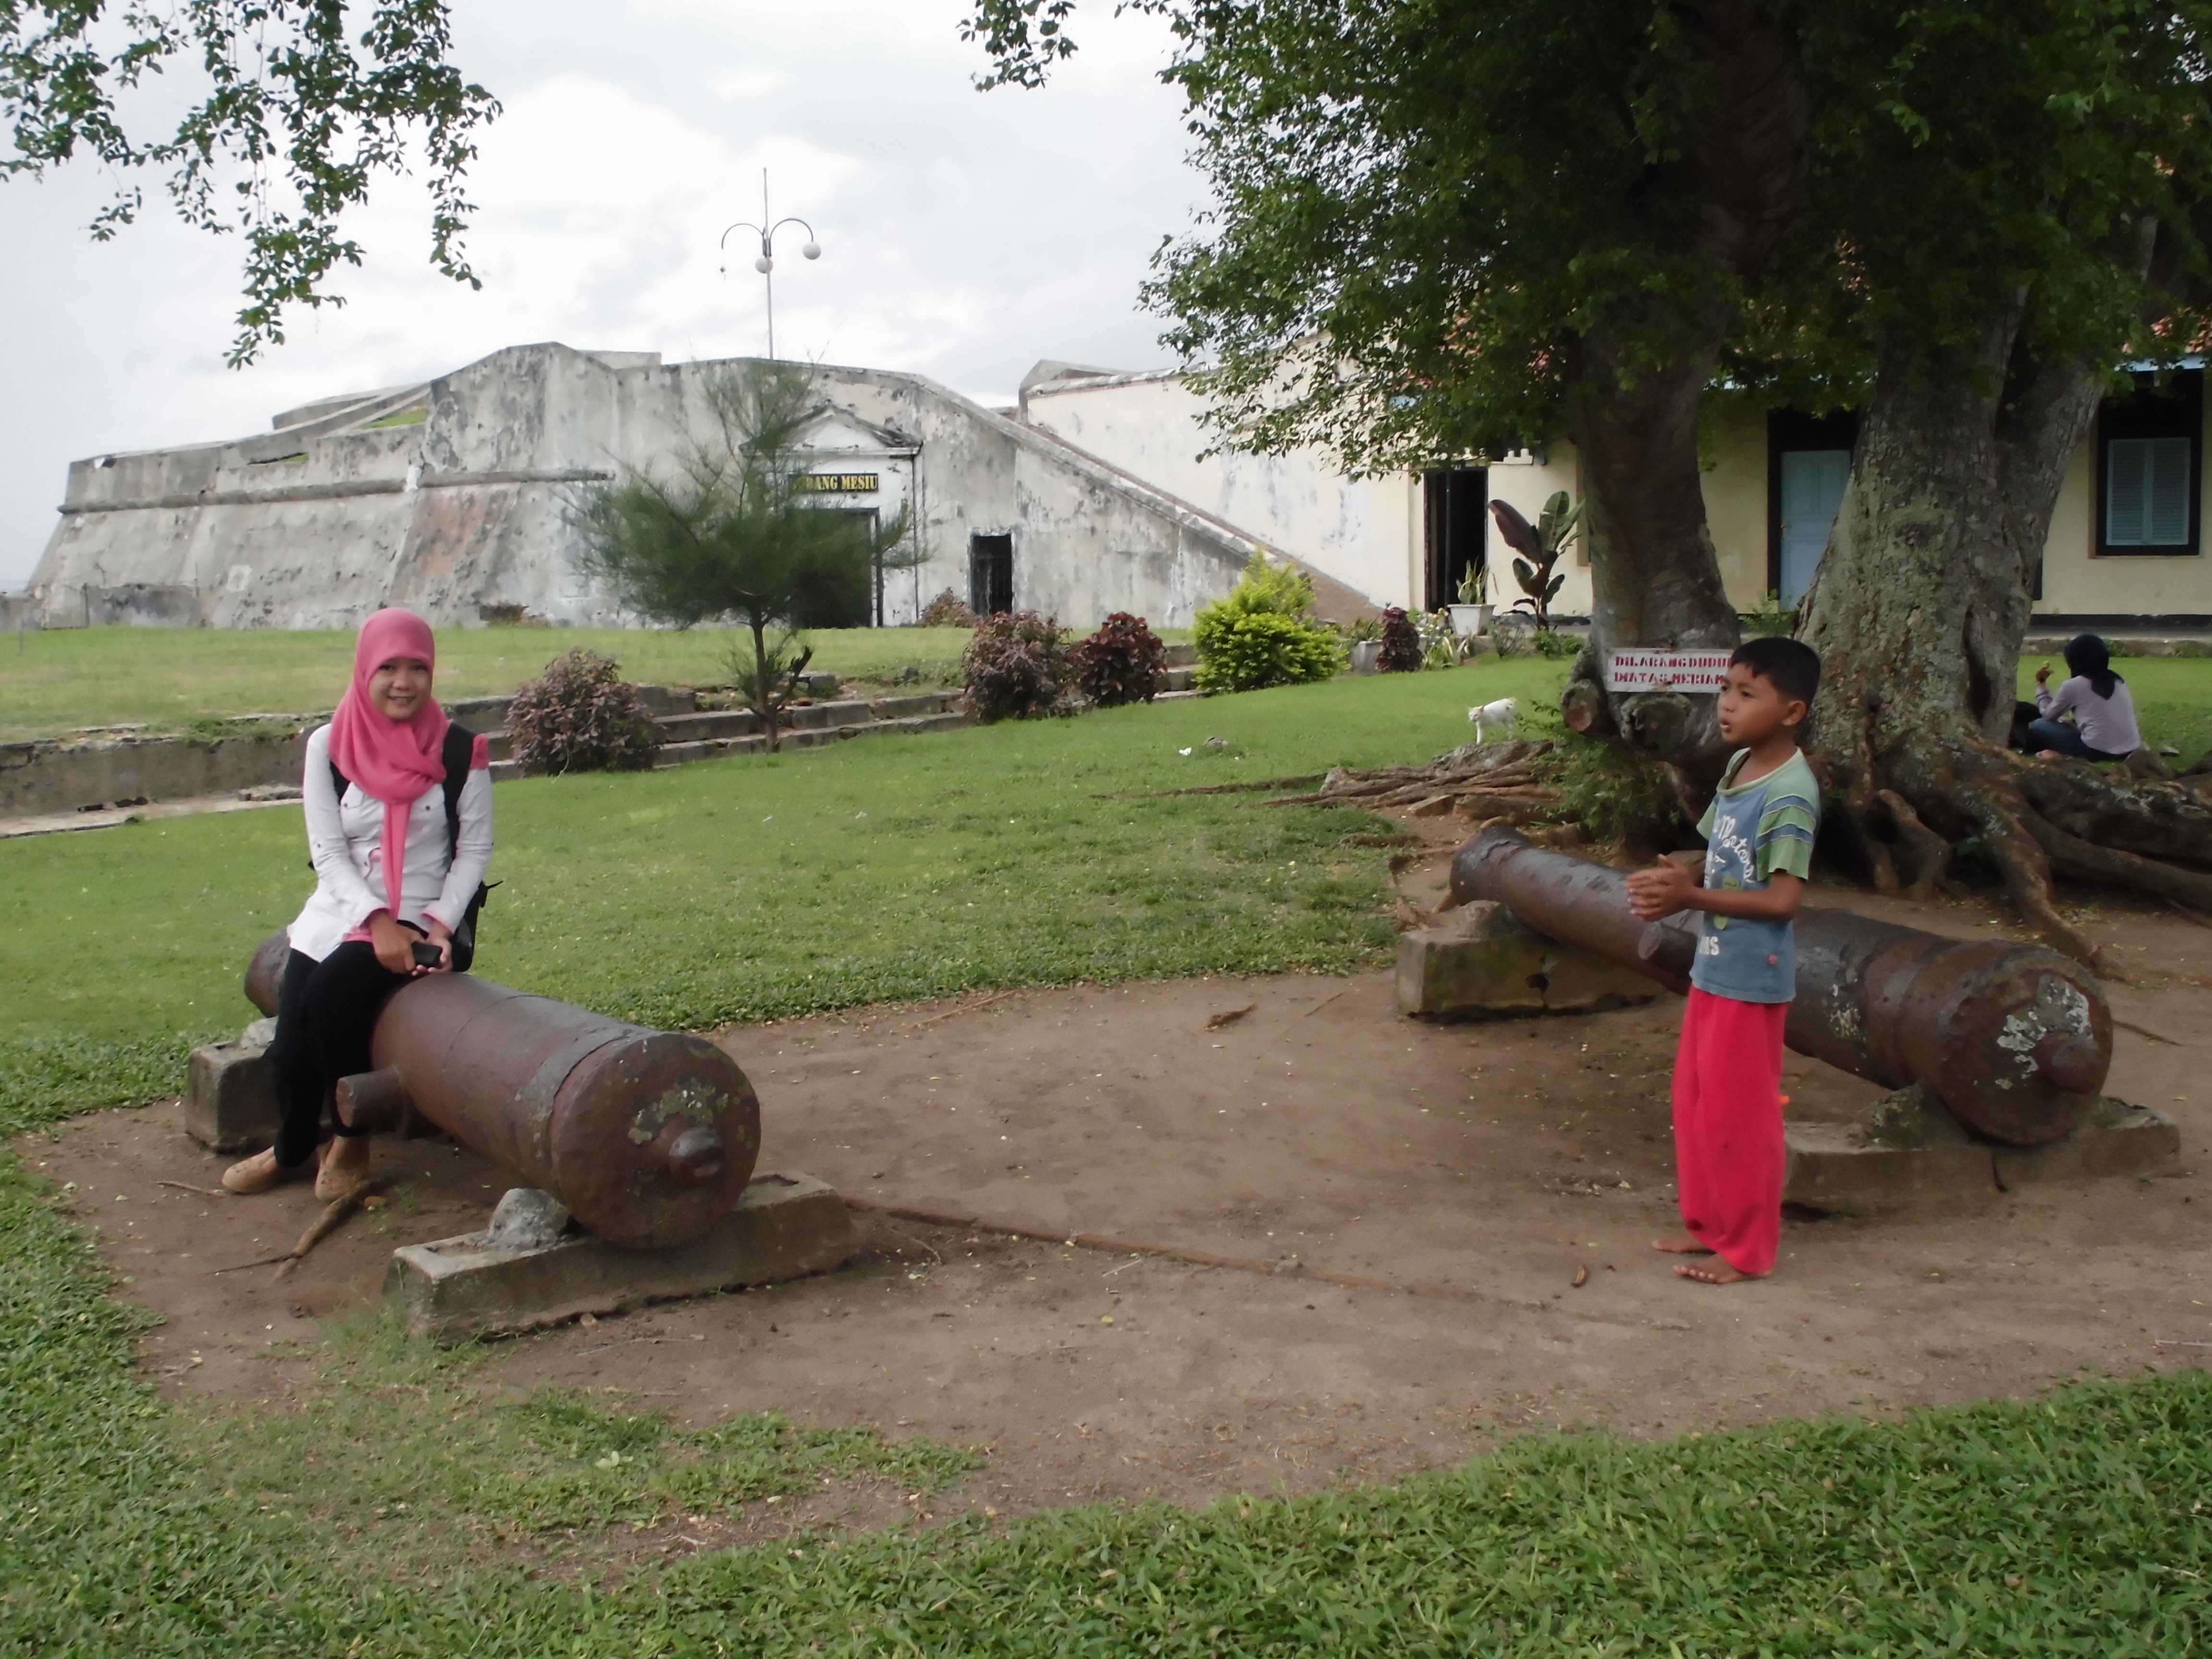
(230, 1098)
(784, 1226)
(1480, 961)
(1908, 1153)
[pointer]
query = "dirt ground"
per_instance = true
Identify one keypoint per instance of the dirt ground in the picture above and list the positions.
(1425, 1197)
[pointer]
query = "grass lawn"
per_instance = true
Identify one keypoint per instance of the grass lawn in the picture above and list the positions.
(896, 868)
(166, 677)
(771, 885)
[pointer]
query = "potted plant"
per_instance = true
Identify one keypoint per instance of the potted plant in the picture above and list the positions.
(1471, 615)
(1537, 548)
(1364, 637)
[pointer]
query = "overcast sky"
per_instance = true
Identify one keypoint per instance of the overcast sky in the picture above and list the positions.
(965, 235)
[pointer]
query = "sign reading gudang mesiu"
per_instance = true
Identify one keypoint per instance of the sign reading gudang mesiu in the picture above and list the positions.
(1666, 670)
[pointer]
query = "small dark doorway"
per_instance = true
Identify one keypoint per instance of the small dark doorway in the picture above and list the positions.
(848, 601)
(990, 574)
(1456, 529)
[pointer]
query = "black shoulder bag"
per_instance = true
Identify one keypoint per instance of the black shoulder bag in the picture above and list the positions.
(459, 749)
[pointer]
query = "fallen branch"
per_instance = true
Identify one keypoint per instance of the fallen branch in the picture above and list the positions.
(334, 1216)
(2185, 912)
(187, 1187)
(964, 1008)
(1256, 786)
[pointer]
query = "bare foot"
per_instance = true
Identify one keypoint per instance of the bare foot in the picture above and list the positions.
(1683, 1244)
(2049, 754)
(1724, 1274)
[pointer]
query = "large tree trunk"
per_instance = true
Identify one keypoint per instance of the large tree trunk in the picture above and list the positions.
(1918, 612)
(1654, 578)
(1653, 572)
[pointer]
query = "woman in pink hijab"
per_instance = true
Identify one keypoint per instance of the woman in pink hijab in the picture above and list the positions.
(400, 853)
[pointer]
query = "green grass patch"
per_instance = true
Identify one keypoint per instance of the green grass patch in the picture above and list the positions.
(401, 1447)
(768, 886)
(166, 677)
(2073, 1525)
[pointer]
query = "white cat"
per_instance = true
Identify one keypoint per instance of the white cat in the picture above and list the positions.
(1496, 717)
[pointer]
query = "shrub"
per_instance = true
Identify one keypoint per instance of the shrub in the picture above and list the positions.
(1250, 653)
(1550, 642)
(946, 611)
(1124, 662)
(581, 716)
(1401, 643)
(1017, 667)
(1261, 634)
(1614, 792)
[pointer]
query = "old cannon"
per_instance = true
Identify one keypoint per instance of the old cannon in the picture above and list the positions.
(648, 1137)
(2014, 1039)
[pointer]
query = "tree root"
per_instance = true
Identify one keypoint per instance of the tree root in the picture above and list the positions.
(2004, 818)
(1932, 853)
(2073, 856)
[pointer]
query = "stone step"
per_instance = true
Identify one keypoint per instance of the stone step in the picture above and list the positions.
(684, 752)
(1183, 654)
(1181, 680)
(722, 725)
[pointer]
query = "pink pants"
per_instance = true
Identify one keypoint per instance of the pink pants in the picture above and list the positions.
(1728, 1127)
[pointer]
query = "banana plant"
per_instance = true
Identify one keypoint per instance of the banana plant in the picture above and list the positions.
(1536, 549)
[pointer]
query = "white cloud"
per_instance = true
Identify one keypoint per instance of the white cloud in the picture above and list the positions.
(964, 235)
(755, 83)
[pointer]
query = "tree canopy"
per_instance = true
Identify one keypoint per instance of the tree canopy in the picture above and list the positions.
(1453, 196)
(292, 109)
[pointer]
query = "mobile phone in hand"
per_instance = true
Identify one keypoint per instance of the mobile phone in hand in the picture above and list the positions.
(426, 954)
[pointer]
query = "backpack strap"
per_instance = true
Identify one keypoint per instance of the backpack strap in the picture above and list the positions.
(459, 749)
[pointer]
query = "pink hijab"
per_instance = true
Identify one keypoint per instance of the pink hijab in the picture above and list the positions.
(396, 761)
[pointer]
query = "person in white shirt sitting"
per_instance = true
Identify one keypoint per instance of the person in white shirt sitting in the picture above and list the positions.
(398, 810)
(2104, 724)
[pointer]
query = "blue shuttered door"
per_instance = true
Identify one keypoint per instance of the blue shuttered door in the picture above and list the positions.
(1813, 482)
(2147, 492)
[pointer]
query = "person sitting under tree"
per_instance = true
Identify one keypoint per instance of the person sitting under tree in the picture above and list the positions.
(2104, 724)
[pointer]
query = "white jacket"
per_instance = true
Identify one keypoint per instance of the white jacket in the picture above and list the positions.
(346, 839)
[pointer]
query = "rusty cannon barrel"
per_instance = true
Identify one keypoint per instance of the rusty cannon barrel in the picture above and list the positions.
(648, 1137)
(2015, 1039)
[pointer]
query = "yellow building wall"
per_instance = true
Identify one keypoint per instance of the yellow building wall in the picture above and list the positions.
(1735, 502)
(2077, 582)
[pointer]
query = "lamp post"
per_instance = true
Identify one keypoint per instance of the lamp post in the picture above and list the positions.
(765, 263)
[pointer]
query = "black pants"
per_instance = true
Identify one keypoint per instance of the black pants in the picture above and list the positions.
(324, 1012)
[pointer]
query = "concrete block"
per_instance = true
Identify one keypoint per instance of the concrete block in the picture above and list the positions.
(1907, 1151)
(2116, 1139)
(1836, 1169)
(1480, 961)
(784, 1226)
(230, 1099)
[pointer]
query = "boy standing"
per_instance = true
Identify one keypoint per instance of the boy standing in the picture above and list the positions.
(1728, 1071)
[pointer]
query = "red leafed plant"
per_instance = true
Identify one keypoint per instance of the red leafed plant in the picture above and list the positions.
(1401, 643)
(580, 715)
(1124, 662)
(1017, 666)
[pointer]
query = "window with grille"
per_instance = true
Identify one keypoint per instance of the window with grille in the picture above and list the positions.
(2149, 473)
